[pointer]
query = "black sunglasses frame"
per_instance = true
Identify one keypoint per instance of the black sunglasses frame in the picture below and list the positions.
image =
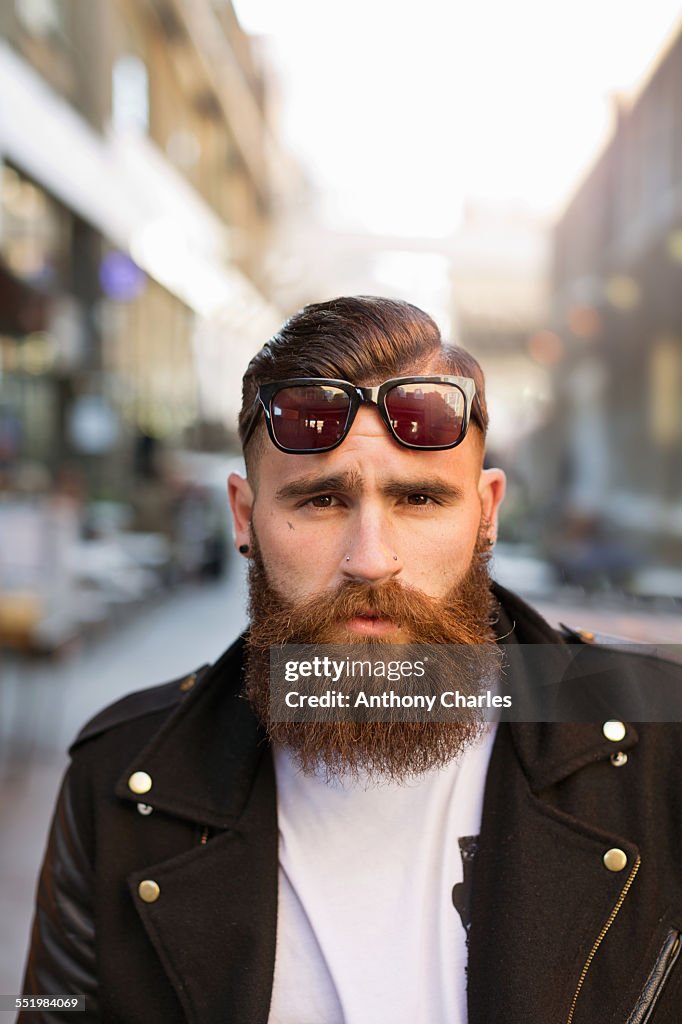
(358, 396)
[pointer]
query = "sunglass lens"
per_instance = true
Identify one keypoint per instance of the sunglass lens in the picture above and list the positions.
(426, 415)
(309, 417)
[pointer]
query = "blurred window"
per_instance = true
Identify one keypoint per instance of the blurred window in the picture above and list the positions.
(130, 94)
(40, 17)
(658, 133)
(665, 396)
(34, 229)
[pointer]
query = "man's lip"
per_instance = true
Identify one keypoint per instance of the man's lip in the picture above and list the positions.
(370, 625)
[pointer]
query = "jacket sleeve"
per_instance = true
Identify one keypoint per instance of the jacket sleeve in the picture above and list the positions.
(61, 957)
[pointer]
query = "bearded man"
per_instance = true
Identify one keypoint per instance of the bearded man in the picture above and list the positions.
(211, 861)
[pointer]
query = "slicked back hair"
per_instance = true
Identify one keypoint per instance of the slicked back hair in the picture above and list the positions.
(363, 339)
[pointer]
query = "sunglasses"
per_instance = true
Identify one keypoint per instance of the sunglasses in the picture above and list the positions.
(305, 415)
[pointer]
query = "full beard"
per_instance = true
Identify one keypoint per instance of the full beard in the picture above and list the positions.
(376, 750)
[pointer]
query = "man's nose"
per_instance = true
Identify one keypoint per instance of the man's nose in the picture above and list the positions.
(370, 554)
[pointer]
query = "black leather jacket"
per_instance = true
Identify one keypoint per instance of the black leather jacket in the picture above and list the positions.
(556, 935)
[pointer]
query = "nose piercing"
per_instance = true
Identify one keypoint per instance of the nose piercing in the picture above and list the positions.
(395, 557)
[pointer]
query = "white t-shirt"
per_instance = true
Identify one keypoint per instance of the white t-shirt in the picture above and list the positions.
(373, 899)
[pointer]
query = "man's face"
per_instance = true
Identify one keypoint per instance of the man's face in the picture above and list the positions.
(369, 543)
(370, 511)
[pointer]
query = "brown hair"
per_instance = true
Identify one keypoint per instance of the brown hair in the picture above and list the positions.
(364, 339)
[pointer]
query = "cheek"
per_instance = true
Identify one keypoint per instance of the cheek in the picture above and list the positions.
(439, 559)
(295, 569)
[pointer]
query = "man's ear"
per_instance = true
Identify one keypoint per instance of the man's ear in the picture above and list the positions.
(492, 485)
(241, 502)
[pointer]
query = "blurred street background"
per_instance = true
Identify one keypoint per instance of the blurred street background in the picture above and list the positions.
(178, 176)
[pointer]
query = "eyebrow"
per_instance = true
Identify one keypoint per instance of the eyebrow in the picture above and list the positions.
(352, 483)
(427, 485)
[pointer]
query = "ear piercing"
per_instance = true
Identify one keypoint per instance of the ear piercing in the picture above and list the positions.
(395, 558)
(491, 541)
(243, 549)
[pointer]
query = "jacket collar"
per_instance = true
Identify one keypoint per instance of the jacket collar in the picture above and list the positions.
(548, 754)
(203, 760)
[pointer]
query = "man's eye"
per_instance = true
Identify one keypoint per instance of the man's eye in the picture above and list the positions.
(322, 501)
(419, 499)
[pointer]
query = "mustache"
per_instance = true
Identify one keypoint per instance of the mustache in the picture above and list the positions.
(431, 620)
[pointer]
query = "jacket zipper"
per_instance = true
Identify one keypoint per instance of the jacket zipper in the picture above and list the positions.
(600, 938)
(657, 978)
(203, 838)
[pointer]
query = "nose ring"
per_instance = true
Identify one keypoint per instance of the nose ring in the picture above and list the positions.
(395, 558)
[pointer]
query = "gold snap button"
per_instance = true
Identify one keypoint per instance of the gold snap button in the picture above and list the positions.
(145, 808)
(619, 759)
(188, 683)
(148, 890)
(140, 782)
(615, 859)
(614, 731)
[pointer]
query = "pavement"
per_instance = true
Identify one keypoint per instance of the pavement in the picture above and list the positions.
(43, 705)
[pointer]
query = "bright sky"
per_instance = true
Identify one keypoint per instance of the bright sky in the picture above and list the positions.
(400, 110)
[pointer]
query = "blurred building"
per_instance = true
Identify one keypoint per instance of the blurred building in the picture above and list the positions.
(618, 309)
(499, 279)
(140, 178)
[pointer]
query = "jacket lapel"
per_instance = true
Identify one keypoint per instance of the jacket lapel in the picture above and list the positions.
(202, 762)
(541, 894)
(213, 923)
